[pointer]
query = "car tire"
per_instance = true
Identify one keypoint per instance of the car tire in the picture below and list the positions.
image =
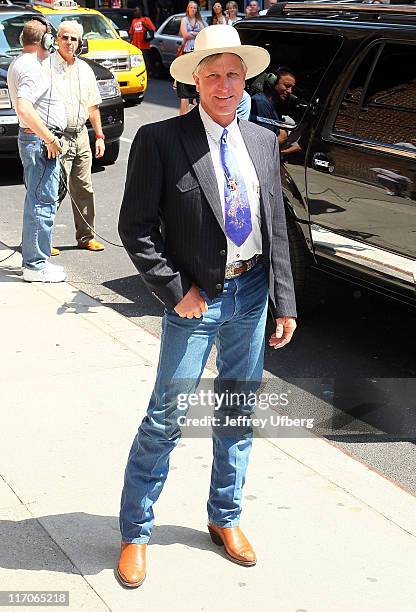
(133, 99)
(111, 153)
(309, 284)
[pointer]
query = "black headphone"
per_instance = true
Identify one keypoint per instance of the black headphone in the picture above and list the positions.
(47, 41)
(79, 48)
(272, 78)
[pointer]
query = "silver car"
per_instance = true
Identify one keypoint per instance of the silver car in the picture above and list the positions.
(167, 40)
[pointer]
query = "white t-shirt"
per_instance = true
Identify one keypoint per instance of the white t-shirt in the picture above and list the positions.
(27, 79)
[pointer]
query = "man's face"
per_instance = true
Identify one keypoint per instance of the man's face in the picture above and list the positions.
(284, 87)
(68, 40)
(254, 7)
(220, 85)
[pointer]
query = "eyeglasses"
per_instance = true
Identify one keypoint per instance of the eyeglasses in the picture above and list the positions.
(68, 38)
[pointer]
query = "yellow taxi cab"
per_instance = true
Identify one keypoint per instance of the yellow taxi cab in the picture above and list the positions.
(102, 44)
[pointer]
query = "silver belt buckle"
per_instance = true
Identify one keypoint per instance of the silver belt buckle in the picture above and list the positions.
(230, 268)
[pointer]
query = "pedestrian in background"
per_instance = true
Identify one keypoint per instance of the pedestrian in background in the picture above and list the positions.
(41, 113)
(138, 37)
(77, 85)
(231, 10)
(252, 9)
(244, 108)
(271, 3)
(191, 25)
(217, 15)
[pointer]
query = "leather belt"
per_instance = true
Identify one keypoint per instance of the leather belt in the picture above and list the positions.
(73, 131)
(55, 131)
(236, 268)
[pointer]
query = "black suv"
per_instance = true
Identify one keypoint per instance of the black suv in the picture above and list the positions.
(12, 20)
(349, 183)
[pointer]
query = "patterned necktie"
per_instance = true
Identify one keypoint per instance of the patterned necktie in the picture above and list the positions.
(237, 207)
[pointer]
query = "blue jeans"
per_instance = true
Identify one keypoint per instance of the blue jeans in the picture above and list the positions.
(42, 183)
(236, 321)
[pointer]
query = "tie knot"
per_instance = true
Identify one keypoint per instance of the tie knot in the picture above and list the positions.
(224, 136)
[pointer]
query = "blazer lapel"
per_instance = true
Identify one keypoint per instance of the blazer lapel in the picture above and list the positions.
(196, 146)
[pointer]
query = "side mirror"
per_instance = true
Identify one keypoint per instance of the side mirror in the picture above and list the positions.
(123, 34)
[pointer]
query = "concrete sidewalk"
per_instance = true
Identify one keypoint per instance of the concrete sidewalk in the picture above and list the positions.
(330, 534)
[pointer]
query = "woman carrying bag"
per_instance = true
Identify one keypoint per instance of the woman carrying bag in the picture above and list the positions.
(191, 25)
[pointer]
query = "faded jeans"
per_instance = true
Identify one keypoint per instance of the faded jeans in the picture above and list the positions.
(236, 322)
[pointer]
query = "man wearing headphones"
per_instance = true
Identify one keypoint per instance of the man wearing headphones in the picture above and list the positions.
(41, 116)
(76, 83)
(270, 103)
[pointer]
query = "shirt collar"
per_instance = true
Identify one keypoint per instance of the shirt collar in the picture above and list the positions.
(213, 129)
(61, 63)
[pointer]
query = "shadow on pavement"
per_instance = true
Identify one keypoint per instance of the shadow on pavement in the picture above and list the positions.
(354, 356)
(12, 274)
(140, 301)
(160, 92)
(90, 542)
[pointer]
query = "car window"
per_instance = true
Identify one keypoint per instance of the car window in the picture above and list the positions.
(11, 26)
(380, 102)
(352, 99)
(305, 55)
(95, 26)
(388, 112)
(122, 22)
(172, 27)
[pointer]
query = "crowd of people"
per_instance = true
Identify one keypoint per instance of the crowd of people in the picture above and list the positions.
(58, 128)
(159, 10)
(53, 138)
(54, 95)
(269, 105)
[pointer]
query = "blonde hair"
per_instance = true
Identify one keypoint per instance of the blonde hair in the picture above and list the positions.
(197, 14)
(231, 4)
(211, 58)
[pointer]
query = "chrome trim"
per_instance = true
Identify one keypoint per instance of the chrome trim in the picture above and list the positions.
(5, 98)
(112, 61)
(368, 256)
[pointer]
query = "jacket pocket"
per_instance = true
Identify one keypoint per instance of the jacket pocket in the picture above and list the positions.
(187, 183)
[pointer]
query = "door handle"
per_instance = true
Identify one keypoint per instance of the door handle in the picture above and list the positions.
(321, 162)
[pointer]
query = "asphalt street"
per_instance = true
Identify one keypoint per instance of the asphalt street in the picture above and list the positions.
(351, 364)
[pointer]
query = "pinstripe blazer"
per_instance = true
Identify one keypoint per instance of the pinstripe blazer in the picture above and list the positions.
(171, 221)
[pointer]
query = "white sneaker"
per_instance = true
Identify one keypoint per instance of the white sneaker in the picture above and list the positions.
(48, 274)
(53, 266)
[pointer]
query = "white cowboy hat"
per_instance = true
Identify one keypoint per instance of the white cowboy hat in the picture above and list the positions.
(219, 39)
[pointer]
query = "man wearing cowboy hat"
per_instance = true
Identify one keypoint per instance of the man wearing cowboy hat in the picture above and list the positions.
(222, 249)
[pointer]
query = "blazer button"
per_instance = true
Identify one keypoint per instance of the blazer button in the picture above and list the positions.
(223, 253)
(219, 286)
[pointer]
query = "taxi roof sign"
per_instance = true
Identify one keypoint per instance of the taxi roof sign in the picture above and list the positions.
(58, 4)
